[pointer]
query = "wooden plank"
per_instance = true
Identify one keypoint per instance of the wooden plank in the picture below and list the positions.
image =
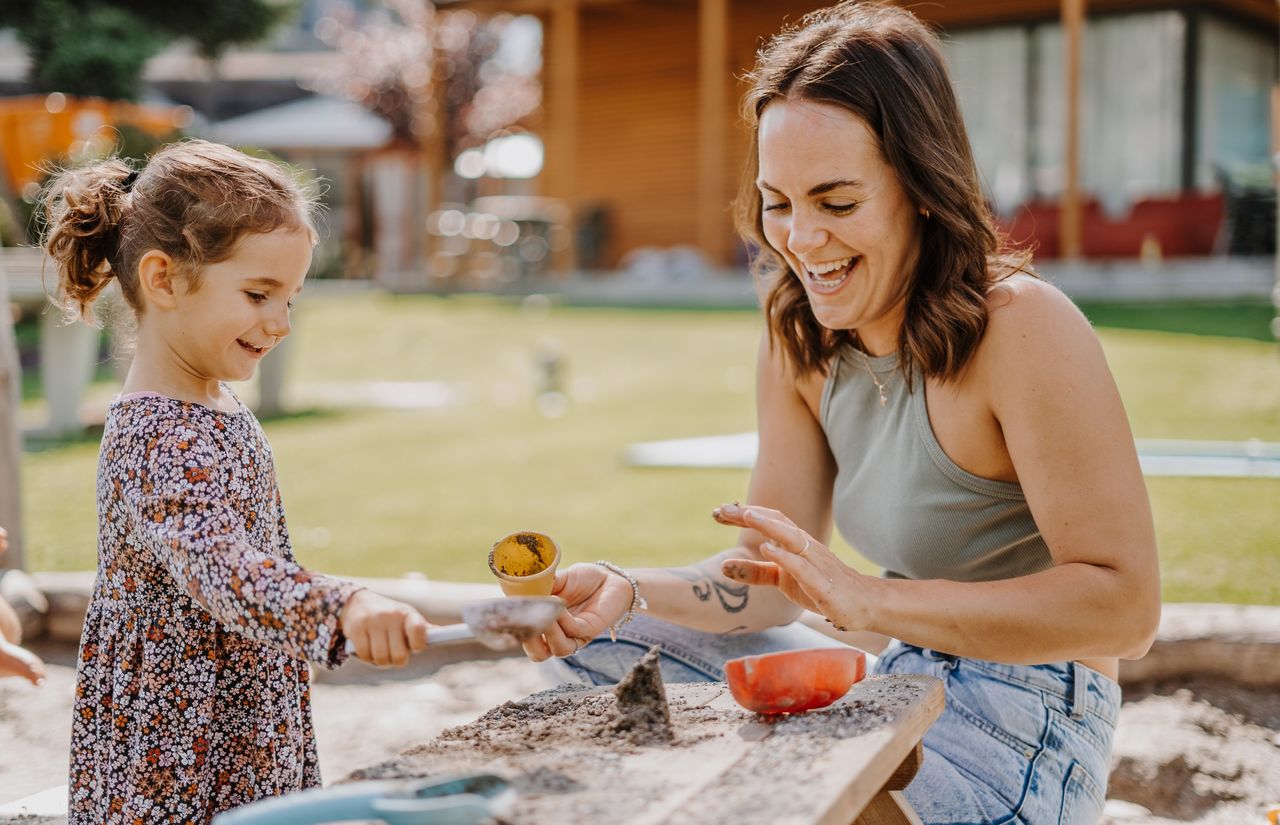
(713, 103)
(724, 764)
(841, 775)
(889, 808)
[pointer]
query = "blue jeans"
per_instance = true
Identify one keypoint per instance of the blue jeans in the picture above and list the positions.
(1015, 745)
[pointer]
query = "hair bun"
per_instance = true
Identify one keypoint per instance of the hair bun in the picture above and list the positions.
(82, 210)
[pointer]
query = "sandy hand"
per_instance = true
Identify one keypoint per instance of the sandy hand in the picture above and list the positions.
(17, 661)
(384, 631)
(800, 566)
(594, 599)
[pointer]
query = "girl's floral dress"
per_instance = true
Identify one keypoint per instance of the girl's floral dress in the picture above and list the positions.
(192, 694)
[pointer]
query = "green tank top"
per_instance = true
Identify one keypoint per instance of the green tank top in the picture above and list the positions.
(901, 502)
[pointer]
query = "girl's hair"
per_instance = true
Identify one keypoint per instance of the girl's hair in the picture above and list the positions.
(193, 200)
(882, 64)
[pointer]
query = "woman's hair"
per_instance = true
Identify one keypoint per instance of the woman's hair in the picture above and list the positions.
(193, 200)
(882, 64)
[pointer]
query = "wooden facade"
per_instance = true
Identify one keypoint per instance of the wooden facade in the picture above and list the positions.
(641, 101)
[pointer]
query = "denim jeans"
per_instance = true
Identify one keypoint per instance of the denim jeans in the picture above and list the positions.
(1015, 744)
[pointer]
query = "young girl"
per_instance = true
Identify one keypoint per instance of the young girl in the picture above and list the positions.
(192, 694)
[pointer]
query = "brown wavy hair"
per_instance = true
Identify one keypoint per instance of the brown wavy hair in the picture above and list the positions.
(193, 200)
(881, 63)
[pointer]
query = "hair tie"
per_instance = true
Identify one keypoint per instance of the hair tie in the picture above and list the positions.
(130, 179)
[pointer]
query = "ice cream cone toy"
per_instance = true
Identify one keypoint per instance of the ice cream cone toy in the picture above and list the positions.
(525, 563)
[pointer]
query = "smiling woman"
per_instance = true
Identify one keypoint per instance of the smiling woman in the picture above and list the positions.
(952, 414)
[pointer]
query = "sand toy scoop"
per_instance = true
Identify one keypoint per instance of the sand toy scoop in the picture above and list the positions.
(499, 624)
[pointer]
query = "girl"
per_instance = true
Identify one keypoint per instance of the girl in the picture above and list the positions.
(192, 693)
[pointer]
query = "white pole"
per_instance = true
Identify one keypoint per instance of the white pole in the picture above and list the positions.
(10, 430)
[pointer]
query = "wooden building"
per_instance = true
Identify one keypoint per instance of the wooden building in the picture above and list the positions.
(641, 105)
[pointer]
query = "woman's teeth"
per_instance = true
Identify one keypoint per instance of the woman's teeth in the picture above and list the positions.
(833, 272)
(249, 346)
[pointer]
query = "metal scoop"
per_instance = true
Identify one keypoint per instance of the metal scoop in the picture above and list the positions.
(498, 624)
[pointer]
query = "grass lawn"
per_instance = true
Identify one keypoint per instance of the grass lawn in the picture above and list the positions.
(381, 492)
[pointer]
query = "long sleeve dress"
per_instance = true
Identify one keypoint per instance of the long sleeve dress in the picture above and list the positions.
(192, 692)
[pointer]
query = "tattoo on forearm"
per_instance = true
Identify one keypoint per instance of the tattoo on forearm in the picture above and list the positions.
(731, 595)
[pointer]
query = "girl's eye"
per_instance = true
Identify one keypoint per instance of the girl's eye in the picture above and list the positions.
(290, 305)
(256, 297)
(775, 207)
(840, 208)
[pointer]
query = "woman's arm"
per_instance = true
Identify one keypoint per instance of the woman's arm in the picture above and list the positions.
(794, 471)
(1057, 405)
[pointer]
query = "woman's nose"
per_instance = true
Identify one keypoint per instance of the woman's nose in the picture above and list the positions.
(805, 235)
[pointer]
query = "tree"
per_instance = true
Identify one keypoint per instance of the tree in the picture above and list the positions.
(99, 47)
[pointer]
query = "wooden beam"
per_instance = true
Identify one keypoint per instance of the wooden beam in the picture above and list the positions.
(1069, 228)
(713, 101)
(562, 132)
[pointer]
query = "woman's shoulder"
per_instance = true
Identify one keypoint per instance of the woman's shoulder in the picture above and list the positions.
(1029, 314)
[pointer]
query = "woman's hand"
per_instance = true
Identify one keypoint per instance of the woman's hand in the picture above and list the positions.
(384, 631)
(595, 599)
(802, 568)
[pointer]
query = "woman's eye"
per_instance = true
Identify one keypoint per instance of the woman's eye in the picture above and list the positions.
(841, 208)
(774, 207)
(290, 306)
(256, 297)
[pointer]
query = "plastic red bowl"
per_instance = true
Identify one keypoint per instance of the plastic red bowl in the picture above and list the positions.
(792, 681)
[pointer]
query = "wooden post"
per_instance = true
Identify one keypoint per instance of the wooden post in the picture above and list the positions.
(1275, 168)
(1069, 226)
(10, 431)
(562, 148)
(713, 94)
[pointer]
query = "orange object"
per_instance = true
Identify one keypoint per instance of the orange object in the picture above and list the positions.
(794, 680)
(35, 129)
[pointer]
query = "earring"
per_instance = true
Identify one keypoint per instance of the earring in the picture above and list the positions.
(926, 213)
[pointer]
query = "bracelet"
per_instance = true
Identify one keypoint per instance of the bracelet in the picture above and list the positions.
(637, 601)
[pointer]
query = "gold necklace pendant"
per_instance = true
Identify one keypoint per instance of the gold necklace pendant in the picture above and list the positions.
(866, 362)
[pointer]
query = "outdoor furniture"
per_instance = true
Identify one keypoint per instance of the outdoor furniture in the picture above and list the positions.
(842, 765)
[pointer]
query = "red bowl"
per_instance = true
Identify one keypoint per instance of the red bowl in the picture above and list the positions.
(792, 681)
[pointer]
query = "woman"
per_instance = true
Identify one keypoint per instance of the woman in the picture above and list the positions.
(953, 414)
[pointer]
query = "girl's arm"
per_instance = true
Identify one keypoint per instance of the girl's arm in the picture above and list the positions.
(794, 471)
(1066, 432)
(187, 521)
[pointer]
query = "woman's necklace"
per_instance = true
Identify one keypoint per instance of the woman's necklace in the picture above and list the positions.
(884, 397)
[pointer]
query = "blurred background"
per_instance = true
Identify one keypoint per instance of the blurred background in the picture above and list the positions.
(529, 272)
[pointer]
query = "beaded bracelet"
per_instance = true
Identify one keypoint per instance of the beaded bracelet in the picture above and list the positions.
(637, 601)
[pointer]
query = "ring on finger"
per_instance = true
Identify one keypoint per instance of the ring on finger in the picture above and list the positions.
(807, 542)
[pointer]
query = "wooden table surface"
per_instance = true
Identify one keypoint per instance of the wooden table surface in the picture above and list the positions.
(832, 766)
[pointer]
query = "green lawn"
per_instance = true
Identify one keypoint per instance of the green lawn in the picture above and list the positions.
(381, 492)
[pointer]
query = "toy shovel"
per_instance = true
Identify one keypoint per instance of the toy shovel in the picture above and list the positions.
(498, 624)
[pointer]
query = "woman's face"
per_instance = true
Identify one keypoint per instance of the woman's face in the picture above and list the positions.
(836, 212)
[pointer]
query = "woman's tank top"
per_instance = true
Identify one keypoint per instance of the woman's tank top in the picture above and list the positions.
(901, 502)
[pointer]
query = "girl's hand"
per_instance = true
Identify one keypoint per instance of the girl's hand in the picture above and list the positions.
(804, 569)
(17, 661)
(594, 599)
(383, 630)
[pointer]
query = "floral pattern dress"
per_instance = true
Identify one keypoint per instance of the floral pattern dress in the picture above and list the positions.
(192, 692)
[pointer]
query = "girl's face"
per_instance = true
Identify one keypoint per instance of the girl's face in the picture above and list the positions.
(241, 308)
(835, 211)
